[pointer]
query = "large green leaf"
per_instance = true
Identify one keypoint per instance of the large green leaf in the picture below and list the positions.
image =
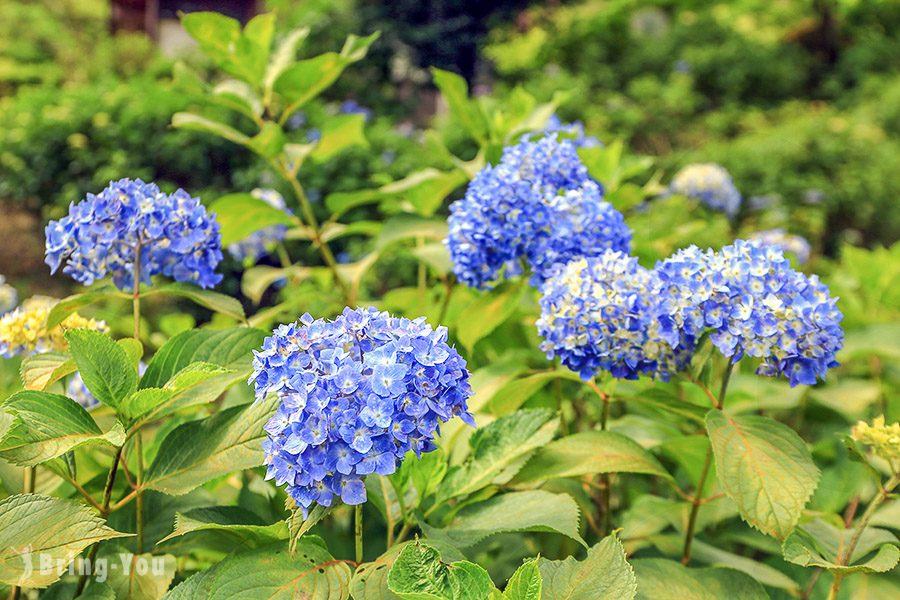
(525, 583)
(283, 56)
(764, 467)
(241, 54)
(198, 451)
(312, 573)
(661, 579)
(487, 312)
(818, 543)
(178, 392)
(586, 453)
(370, 581)
(39, 371)
(467, 112)
(424, 190)
(298, 525)
(144, 577)
(339, 133)
(533, 510)
(495, 448)
(514, 394)
(35, 527)
(603, 575)
(69, 305)
(240, 215)
(214, 301)
(226, 528)
(419, 574)
(46, 425)
(104, 365)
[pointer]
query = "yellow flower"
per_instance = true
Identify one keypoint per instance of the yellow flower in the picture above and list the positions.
(24, 330)
(884, 439)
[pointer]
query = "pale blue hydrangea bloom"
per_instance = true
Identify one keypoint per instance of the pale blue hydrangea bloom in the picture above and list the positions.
(537, 207)
(711, 184)
(357, 394)
(101, 234)
(789, 243)
(260, 243)
(8, 296)
(599, 314)
(752, 302)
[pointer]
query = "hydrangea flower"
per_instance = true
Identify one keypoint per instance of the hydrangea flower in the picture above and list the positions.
(101, 235)
(352, 107)
(573, 131)
(536, 207)
(788, 243)
(357, 393)
(599, 314)
(884, 439)
(8, 296)
(752, 302)
(24, 330)
(711, 184)
(259, 243)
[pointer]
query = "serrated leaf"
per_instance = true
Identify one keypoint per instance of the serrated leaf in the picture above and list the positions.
(298, 526)
(152, 403)
(589, 452)
(525, 583)
(819, 544)
(370, 579)
(661, 579)
(419, 573)
(198, 451)
(104, 365)
(39, 371)
(46, 425)
(240, 215)
(534, 510)
(764, 467)
(603, 575)
(495, 447)
(145, 577)
(312, 573)
(33, 527)
(226, 528)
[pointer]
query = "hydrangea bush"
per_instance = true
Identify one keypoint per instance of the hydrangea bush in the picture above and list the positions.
(649, 417)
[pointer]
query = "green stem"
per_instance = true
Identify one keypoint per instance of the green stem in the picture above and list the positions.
(139, 497)
(603, 501)
(358, 533)
(704, 473)
(104, 511)
(28, 480)
(136, 294)
(445, 304)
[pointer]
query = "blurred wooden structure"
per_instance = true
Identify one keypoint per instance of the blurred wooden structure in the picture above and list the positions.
(153, 16)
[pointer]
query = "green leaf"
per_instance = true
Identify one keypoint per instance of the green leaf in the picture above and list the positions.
(299, 526)
(145, 577)
(370, 579)
(36, 527)
(487, 312)
(198, 451)
(104, 365)
(586, 453)
(525, 583)
(339, 133)
(194, 122)
(423, 190)
(661, 579)
(495, 448)
(226, 528)
(152, 403)
(240, 215)
(355, 47)
(238, 96)
(39, 371)
(467, 112)
(514, 394)
(764, 467)
(603, 575)
(819, 544)
(229, 348)
(241, 54)
(69, 305)
(269, 142)
(534, 510)
(214, 301)
(283, 56)
(312, 573)
(419, 574)
(46, 425)
(258, 279)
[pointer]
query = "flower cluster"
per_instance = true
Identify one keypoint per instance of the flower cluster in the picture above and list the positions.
(788, 243)
(8, 296)
(884, 439)
(24, 330)
(537, 206)
(259, 243)
(709, 183)
(173, 235)
(752, 302)
(357, 393)
(573, 131)
(599, 313)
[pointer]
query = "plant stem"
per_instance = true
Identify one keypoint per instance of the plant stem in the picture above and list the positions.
(28, 477)
(603, 500)
(697, 502)
(358, 533)
(104, 511)
(136, 294)
(139, 497)
(445, 303)
(846, 555)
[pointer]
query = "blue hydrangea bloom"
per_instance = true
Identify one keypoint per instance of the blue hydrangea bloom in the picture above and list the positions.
(537, 208)
(101, 234)
(8, 296)
(752, 302)
(599, 314)
(259, 243)
(789, 243)
(352, 107)
(573, 131)
(711, 184)
(357, 394)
